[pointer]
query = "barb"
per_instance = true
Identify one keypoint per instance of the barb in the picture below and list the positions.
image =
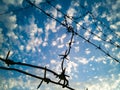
(44, 12)
(99, 20)
(110, 41)
(34, 76)
(84, 28)
(98, 47)
(75, 31)
(47, 80)
(62, 76)
(67, 52)
(11, 62)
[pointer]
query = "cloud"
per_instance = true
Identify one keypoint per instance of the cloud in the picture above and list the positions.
(9, 20)
(12, 35)
(54, 43)
(113, 26)
(38, 1)
(87, 51)
(87, 33)
(105, 83)
(19, 83)
(45, 44)
(61, 39)
(32, 30)
(98, 37)
(13, 2)
(77, 48)
(56, 65)
(51, 25)
(71, 66)
(79, 24)
(81, 60)
(71, 11)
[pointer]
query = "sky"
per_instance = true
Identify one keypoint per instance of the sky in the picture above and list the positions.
(35, 38)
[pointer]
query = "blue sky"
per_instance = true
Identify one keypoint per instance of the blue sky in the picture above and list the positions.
(35, 38)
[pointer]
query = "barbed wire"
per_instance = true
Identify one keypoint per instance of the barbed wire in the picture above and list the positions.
(83, 27)
(90, 42)
(67, 52)
(73, 18)
(96, 19)
(61, 76)
(47, 80)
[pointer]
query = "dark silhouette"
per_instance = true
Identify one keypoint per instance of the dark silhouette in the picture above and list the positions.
(62, 76)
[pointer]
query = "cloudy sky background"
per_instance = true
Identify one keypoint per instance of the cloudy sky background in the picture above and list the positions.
(34, 38)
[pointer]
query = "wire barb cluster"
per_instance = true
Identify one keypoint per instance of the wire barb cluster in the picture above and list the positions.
(61, 76)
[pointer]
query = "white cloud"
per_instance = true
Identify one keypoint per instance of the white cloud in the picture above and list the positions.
(52, 61)
(104, 15)
(31, 30)
(28, 47)
(21, 47)
(116, 5)
(71, 66)
(79, 25)
(9, 20)
(58, 6)
(13, 2)
(118, 23)
(86, 18)
(87, 51)
(102, 59)
(19, 83)
(95, 9)
(87, 33)
(12, 34)
(77, 48)
(61, 39)
(113, 26)
(108, 83)
(54, 43)
(107, 45)
(60, 46)
(71, 11)
(51, 25)
(45, 44)
(55, 65)
(109, 37)
(98, 37)
(38, 1)
(81, 60)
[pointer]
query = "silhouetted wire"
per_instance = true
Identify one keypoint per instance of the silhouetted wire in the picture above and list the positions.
(11, 62)
(32, 75)
(67, 52)
(74, 31)
(99, 20)
(84, 28)
(61, 76)
(110, 41)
